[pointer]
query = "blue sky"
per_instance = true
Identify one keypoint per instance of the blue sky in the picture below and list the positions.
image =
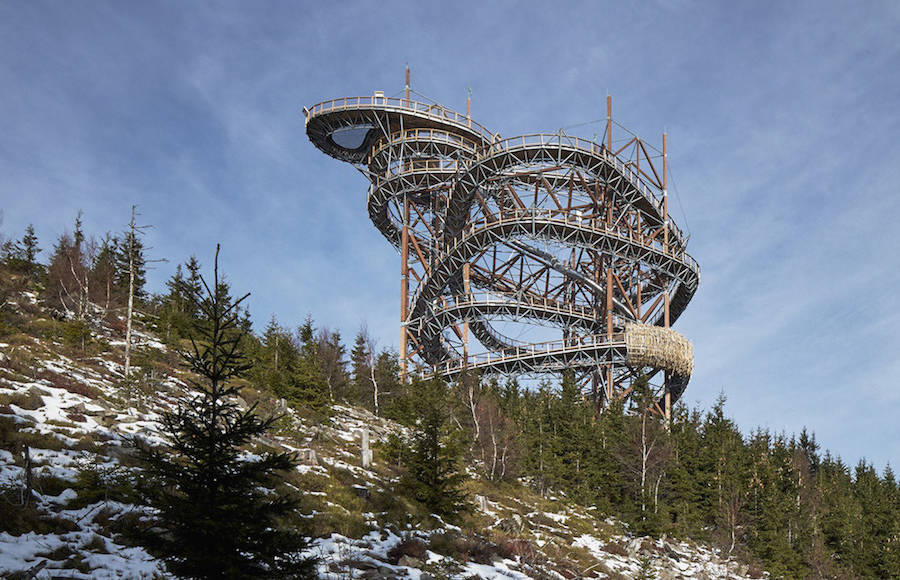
(784, 136)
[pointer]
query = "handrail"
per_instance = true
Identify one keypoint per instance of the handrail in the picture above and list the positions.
(532, 350)
(533, 215)
(587, 223)
(422, 134)
(430, 110)
(486, 298)
(419, 165)
(529, 140)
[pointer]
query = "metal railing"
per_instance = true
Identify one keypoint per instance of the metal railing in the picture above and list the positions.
(430, 135)
(650, 191)
(539, 349)
(434, 111)
(553, 215)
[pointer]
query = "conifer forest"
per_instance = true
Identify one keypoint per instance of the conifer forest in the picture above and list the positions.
(777, 501)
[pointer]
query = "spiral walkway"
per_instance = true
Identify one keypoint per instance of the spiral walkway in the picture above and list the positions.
(563, 242)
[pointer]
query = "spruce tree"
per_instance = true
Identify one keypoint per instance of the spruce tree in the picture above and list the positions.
(433, 471)
(130, 256)
(30, 248)
(217, 516)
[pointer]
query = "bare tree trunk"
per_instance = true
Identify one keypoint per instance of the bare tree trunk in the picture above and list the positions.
(374, 381)
(656, 492)
(643, 459)
(471, 386)
(29, 484)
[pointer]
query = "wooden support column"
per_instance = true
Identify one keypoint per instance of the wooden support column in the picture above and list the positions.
(609, 123)
(467, 287)
(609, 325)
(404, 288)
(406, 91)
(668, 395)
(609, 300)
(665, 185)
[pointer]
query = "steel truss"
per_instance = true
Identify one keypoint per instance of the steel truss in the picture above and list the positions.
(546, 231)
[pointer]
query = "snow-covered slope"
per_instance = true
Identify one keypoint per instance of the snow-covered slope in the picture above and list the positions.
(76, 418)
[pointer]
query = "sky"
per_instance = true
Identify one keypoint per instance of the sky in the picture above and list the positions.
(784, 148)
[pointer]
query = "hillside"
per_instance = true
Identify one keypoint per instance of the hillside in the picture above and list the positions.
(66, 403)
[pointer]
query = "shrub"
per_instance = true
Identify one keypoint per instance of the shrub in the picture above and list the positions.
(95, 544)
(29, 400)
(617, 549)
(76, 333)
(474, 549)
(102, 482)
(411, 547)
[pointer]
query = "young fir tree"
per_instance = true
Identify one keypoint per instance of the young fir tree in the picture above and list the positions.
(432, 459)
(21, 256)
(217, 516)
(30, 249)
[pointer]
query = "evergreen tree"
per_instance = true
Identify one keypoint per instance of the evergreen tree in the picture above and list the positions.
(432, 460)
(308, 385)
(333, 366)
(103, 284)
(726, 465)
(68, 286)
(216, 518)
(21, 256)
(30, 248)
(177, 311)
(277, 360)
(686, 486)
(130, 247)
(359, 368)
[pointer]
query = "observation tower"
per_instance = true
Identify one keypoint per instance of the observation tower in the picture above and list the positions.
(529, 255)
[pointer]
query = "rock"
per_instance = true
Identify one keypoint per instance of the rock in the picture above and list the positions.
(634, 547)
(511, 525)
(379, 575)
(426, 576)
(362, 491)
(307, 457)
(364, 565)
(410, 562)
(670, 553)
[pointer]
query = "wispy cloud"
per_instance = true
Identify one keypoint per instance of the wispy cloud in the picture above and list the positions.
(781, 116)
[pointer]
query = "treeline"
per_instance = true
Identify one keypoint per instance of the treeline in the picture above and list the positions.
(798, 510)
(802, 512)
